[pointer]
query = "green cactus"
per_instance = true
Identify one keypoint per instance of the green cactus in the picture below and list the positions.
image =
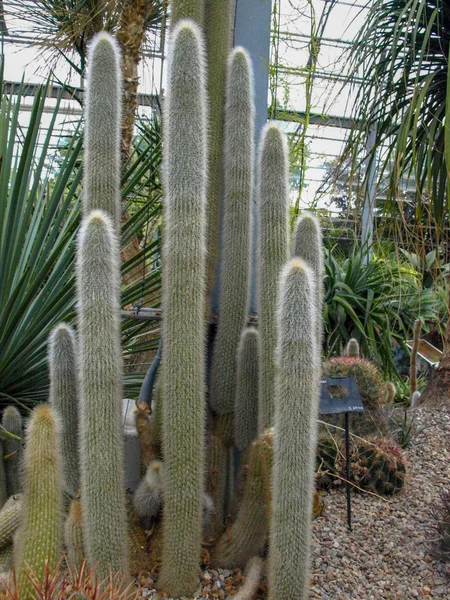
(308, 246)
(103, 128)
(247, 536)
(236, 230)
(352, 348)
(377, 465)
(330, 455)
(218, 37)
(148, 497)
(216, 482)
(186, 9)
(9, 519)
(296, 412)
(246, 407)
(273, 249)
(64, 399)
(183, 286)
(6, 559)
(41, 529)
(73, 534)
(100, 367)
(12, 449)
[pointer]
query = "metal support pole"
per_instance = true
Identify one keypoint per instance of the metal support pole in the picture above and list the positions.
(252, 31)
(347, 467)
(369, 195)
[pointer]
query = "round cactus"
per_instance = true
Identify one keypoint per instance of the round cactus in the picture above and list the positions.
(378, 465)
(330, 459)
(352, 348)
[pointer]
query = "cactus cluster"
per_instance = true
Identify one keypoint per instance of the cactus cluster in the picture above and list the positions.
(245, 413)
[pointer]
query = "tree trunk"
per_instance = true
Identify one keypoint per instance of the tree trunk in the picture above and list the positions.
(438, 388)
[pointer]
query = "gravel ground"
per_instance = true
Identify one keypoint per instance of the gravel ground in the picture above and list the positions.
(387, 555)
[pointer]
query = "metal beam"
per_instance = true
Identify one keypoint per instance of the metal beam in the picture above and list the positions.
(318, 119)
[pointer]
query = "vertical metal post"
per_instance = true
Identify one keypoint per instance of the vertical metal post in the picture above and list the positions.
(252, 31)
(369, 195)
(347, 467)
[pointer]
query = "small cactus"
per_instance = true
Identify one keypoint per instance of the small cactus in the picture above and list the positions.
(352, 348)
(9, 519)
(148, 497)
(73, 533)
(100, 363)
(102, 130)
(64, 399)
(378, 465)
(40, 535)
(296, 411)
(12, 449)
(183, 287)
(273, 250)
(246, 403)
(236, 231)
(308, 246)
(248, 535)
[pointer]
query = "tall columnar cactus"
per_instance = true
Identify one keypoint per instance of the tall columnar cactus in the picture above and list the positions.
(246, 407)
(308, 246)
(40, 535)
(186, 9)
(218, 29)
(273, 248)
(183, 287)
(73, 534)
(100, 364)
(64, 399)
(236, 231)
(103, 126)
(296, 412)
(12, 449)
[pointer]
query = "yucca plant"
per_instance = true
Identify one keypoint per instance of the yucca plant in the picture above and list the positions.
(39, 218)
(376, 303)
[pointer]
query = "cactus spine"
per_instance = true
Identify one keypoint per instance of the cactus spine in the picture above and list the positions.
(102, 130)
(41, 523)
(218, 29)
(236, 232)
(12, 449)
(183, 361)
(272, 255)
(98, 291)
(186, 9)
(64, 399)
(246, 411)
(296, 411)
(308, 246)
(148, 497)
(73, 533)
